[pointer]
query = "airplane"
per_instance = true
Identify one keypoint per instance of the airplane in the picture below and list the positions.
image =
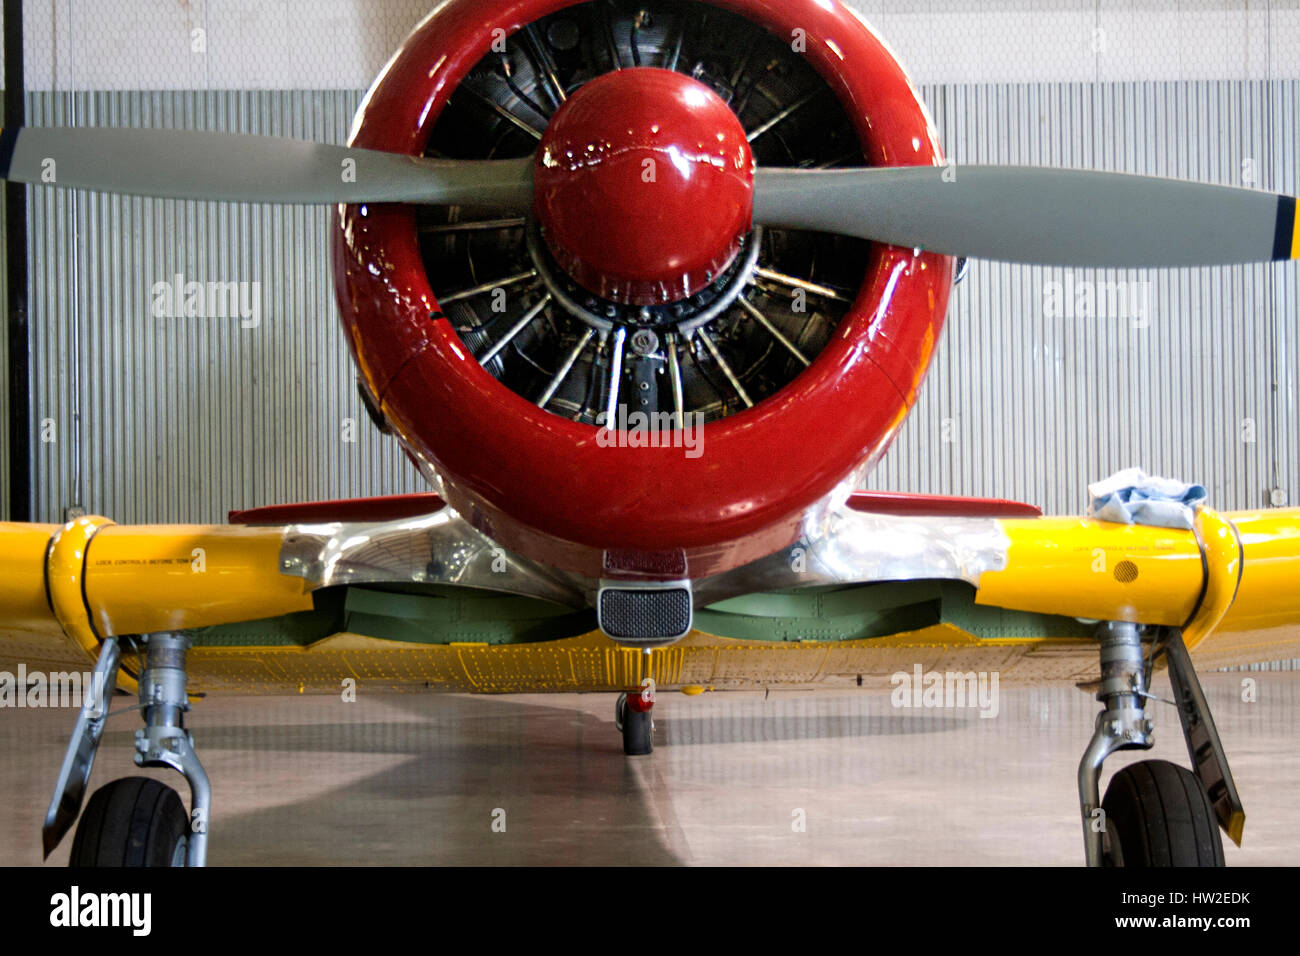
(645, 291)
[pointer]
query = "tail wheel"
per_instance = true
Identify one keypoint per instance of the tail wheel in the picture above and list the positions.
(638, 732)
(636, 726)
(133, 822)
(1159, 814)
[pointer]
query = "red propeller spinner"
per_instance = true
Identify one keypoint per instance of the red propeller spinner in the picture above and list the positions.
(655, 150)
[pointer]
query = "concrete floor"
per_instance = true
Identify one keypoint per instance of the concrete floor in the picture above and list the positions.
(396, 779)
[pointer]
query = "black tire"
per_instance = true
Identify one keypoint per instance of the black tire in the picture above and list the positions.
(638, 732)
(1158, 814)
(133, 822)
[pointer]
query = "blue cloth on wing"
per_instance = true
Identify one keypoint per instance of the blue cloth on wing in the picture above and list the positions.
(1134, 497)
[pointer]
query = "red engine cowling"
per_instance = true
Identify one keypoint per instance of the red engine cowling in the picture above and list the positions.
(543, 484)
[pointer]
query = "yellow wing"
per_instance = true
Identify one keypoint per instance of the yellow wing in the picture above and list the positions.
(1231, 585)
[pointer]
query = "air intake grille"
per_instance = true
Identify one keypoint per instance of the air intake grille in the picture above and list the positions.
(645, 616)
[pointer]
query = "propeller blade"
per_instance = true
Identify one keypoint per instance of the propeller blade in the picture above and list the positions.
(1042, 216)
(177, 164)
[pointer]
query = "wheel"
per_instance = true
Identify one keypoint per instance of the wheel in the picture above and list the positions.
(638, 732)
(133, 822)
(620, 708)
(1158, 814)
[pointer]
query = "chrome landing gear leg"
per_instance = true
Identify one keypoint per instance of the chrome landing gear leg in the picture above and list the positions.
(1155, 813)
(135, 821)
(1122, 724)
(165, 742)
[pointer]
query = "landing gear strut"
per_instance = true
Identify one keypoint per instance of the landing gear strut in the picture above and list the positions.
(135, 821)
(1155, 813)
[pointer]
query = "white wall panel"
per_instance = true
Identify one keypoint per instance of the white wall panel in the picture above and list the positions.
(342, 44)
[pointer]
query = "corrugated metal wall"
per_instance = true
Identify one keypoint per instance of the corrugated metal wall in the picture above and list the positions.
(1200, 384)
(4, 379)
(181, 419)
